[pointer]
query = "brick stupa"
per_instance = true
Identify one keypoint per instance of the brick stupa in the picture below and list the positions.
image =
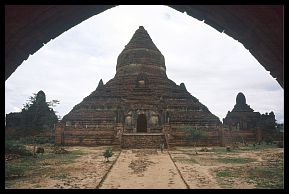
(242, 117)
(138, 106)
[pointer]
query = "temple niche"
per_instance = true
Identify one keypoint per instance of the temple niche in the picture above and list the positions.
(242, 117)
(139, 99)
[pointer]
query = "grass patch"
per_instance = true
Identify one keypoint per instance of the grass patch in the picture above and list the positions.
(186, 160)
(67, 158)
(257, 147)
(236, 160)
(60, 176)
(13, 172)
(16, 147)
(37, 186)
(20, 167)
(224, 173)
(30, 166)
(185, 150)
(266, 177)
(224, 150)
(241, 148)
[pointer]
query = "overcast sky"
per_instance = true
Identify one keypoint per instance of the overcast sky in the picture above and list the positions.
(213, 66)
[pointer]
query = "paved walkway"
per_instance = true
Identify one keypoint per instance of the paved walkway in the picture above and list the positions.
(143, 169)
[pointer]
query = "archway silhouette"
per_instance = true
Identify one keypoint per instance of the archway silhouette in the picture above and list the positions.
(258, 27)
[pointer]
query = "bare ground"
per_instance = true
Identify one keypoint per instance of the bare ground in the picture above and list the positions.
(143, 169)
(85, 172)
(213, 169)
(176, 168)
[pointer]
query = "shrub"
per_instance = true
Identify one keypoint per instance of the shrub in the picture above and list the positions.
(224, 173)
(14, 147)
(43, 140)
(37, 140)
(280, 144)
(269, 140)
(12, 172)
(107, 154)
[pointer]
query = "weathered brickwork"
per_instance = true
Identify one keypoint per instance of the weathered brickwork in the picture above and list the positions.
(140, 105)
(140, 98)
(242, 117)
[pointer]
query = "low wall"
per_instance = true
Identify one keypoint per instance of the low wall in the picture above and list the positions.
(220, 136)
(176, 136)
(180, 139)
(85, 136)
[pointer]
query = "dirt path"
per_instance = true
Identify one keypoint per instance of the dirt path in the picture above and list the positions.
(178, 168)
(198, 177)
(143, 169)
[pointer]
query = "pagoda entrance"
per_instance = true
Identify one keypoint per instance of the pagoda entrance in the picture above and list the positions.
(141, 124)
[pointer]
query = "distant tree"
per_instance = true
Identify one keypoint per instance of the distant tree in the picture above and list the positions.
(279, 127)
(37, 114)
(194, 135)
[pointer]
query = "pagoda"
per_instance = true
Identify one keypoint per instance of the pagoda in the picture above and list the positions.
(137, 107)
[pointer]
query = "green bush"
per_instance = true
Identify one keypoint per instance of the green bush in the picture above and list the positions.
(37, 140)
(107, 154)
(224, 173)
(280, 144)
(43, 140)
(12, 172)
(15, 147)
(269, 140)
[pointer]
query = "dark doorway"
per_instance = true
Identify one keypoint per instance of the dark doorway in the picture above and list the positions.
(141, 123)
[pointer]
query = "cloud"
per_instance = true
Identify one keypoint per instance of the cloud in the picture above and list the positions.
(213, 66)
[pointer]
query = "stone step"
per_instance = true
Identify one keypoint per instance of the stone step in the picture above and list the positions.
(142, 140)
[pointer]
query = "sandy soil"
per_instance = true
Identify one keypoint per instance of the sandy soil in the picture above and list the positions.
(86, 172)
(200, 173)
(147, 168)
(143, 169)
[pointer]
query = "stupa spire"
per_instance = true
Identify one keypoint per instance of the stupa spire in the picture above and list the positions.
(141, 50)
(141, 39)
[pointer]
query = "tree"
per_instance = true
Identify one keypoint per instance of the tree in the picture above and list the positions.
(37, 114)
(194, 135)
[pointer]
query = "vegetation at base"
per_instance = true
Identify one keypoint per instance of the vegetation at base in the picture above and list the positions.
(37, 115)
(35, 139)
(266, 177)
(15, 147)
(30, 166)
(223, 173)
(45, 140)
(248, 147)
(236, 160)
(60, 176)
(261, 176)
(187, 160)
(107, 154)
(13, 172)
(194, 135)
(257, 146)
(223, 150)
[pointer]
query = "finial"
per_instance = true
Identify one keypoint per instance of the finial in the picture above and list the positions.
(100, 84)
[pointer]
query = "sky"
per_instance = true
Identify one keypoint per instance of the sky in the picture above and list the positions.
(213, 66)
